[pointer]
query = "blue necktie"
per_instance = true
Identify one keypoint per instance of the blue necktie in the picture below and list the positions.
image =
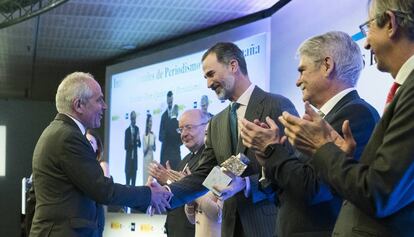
(233, 126)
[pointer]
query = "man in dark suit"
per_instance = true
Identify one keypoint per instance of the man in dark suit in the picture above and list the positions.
(171, 142)
(192, 125)
(378, 189)
(246, 211)
(68, 180)
(329, 69)
(131, 144)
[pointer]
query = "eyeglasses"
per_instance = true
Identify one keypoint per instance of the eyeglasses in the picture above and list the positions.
(365, 26)
(188, 127)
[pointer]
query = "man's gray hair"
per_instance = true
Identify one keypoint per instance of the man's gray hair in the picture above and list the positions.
(341, 48)
(403, 10)
(73, 86)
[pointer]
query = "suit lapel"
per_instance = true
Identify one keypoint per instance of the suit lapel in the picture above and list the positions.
(194, 161)
(254, 110)
(353, 95)
(225, 128)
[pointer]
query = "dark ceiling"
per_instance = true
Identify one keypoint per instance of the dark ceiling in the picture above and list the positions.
(87, 34)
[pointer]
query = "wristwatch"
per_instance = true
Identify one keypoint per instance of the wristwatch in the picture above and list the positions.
(269, 150)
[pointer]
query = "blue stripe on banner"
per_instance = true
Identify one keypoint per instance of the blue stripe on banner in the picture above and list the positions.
(358, 36)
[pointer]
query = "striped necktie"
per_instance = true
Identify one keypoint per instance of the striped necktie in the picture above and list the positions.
(233, 126)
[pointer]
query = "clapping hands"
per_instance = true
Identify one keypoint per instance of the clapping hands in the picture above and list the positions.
(311, 132)
(166, 175)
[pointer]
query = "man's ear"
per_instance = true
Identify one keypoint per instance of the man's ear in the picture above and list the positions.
(391, 24)
(77, 105)
(328, 65)
(234, 65)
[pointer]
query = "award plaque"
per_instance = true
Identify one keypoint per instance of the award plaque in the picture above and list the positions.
(218, 176)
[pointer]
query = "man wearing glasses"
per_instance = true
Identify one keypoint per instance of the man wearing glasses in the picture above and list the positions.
(192, 124)
(246, 210)
(378, 189)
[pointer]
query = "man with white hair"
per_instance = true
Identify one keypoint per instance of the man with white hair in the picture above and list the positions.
(191, 128)
(329, 69)
(68, 180)
(379, 188)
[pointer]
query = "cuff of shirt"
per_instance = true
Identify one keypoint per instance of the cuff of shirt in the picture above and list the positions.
(169, 190)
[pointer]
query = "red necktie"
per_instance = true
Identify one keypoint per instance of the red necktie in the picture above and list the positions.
(391, 93)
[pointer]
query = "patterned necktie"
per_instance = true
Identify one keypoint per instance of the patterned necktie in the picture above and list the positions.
(233, 126)
(391, 93)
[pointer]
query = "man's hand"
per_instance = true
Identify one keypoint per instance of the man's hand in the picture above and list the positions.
(347, 144)
(175, 175)
(311, 132)
(257, 135)
(237, 184)
(160, 198)
(159, 172)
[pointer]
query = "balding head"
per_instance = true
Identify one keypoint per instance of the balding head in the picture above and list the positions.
(192, 124)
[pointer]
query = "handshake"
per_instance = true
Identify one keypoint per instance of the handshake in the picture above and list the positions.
(161, 195)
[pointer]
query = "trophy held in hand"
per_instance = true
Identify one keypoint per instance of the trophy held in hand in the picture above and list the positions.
(223, 175)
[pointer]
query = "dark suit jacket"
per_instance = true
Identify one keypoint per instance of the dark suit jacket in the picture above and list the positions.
(380, 188)
(171, 141)
(164, 120)
(307, 207)
(131, 147)
(177, 224)
(70, 184)
(257, 213)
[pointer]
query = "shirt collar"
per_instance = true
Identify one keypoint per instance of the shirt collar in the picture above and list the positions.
(245, 97)
(405, 71)
(80, 125)
(200, 149)
(328, 106)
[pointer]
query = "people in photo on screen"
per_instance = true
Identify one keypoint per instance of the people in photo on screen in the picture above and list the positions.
(97, 146)
(64, 162)
(329, 68)
(168, 136)
(248, 210)
(191, 129)
(148, 146)
(204, 105)
(131, 144)
(378, 188)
